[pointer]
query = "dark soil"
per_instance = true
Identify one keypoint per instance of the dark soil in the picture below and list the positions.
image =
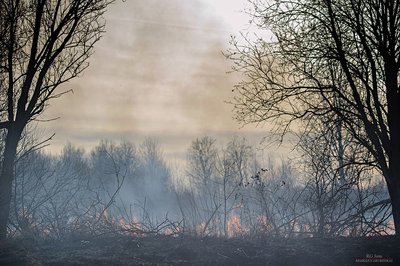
(185, 250)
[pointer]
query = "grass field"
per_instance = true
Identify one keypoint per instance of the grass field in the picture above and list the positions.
(185, 250)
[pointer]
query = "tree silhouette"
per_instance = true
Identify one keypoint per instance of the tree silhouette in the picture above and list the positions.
(334, 59)
(43, 44)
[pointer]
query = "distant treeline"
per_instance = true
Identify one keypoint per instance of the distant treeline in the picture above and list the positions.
(221, 190)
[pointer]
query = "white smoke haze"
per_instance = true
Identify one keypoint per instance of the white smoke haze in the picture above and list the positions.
(140, 163)
(224, 188)
(158, 71)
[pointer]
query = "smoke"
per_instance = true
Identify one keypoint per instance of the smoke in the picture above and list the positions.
(158, 71)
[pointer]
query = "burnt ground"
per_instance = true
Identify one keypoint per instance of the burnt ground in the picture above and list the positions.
(185, 250)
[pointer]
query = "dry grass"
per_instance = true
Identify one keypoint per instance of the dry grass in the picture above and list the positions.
(186, 250)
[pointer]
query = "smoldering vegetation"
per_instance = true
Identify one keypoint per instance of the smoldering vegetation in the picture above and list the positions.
(222, 190)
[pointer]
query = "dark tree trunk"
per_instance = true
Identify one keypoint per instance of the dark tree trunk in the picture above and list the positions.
(7, 176)
(394, 192)
(393, 119)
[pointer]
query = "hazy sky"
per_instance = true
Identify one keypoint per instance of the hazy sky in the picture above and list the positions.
(158, 71)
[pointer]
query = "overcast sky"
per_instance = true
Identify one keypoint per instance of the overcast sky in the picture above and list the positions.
(158, 71)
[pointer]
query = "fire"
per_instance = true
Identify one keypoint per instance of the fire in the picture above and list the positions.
(173, 231)
(234, 226)
(200, 228)
(390, 227)
(105, 216)
(387, 229)
(123, 224)
(265, 224)
(132, 227)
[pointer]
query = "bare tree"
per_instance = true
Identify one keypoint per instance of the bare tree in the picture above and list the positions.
(233, 168)
(323, 53)
(338, 195)
(43, 45)
(273, 199)
(49, 192)
(153, 185)
(213, 197)
(202, 171)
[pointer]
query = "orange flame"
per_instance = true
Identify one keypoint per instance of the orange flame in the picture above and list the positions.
(200, 228)
(264, 223)
(234, 226)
